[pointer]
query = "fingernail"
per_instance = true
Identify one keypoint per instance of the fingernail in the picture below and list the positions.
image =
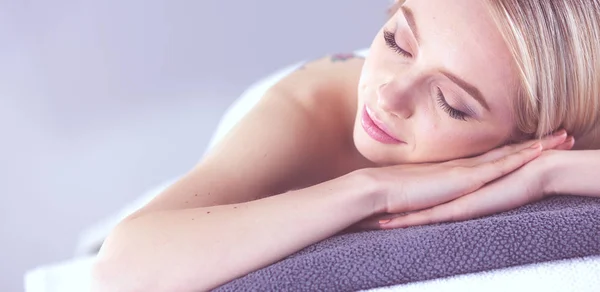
(535, 145)
(560, 133)
(385, 221)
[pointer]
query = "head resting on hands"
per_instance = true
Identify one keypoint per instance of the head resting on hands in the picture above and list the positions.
(458, 78)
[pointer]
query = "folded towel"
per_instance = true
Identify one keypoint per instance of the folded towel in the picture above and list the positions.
(577, 274)
(560, 227)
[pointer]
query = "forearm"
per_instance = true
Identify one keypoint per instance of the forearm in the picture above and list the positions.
(575, 172)
(199, 249)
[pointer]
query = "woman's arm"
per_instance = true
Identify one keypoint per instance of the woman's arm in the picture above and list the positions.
(574, 172)
(221, 221)
(201, 248)
(530, 183)
(218, 222)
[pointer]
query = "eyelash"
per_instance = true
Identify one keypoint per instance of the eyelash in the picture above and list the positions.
(390, 41)
(452, 112)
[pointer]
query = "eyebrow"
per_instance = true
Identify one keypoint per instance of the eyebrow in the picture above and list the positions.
(470, 89)
(466, 86)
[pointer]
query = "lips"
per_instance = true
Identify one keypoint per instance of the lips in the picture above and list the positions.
(376, 129)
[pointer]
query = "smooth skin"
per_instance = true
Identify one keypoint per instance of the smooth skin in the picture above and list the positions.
(220, 221)
(297, 170)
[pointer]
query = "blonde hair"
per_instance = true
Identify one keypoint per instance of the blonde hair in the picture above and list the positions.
(556, 46)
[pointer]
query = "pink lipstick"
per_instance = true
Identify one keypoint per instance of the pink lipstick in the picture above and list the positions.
(376, 129)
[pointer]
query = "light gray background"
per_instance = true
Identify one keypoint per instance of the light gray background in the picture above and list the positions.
(100, 100)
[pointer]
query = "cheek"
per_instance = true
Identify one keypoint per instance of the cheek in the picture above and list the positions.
(470, 144)
(370, 70)
(377, 70)
(368, 82)
(381, 62)
(366, 75)
(447, 140)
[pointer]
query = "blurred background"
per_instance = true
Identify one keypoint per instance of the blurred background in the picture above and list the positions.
(102, 100)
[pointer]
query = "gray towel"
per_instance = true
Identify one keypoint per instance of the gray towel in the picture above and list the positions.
(557, 228)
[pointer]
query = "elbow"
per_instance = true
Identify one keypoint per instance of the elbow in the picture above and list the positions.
(127, 263)
(112, 274)
(116, 269)
(104, 278)
(115, 275)
(109, 275)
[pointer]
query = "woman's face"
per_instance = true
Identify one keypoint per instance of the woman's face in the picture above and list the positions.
(438, 85)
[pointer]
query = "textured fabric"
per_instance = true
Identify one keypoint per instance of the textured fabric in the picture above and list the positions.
(556, 228)
(570, 275)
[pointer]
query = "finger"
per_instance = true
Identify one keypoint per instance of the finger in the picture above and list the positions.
(464, 180)
(438, 214)
(552, 141)
(489, 171)
(372, 222)
(547, 142)
(375, 222)
(491, 200)
(567, 145)
(461, 180)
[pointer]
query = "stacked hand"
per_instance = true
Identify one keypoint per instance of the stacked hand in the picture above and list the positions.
(500, 180)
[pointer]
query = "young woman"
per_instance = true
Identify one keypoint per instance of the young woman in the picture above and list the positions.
(419, 126)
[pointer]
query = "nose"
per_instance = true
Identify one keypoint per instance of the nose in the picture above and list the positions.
(396, 97)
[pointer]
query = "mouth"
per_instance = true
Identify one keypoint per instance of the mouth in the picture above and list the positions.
(376, 129)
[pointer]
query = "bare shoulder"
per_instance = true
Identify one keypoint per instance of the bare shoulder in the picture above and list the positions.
(332, 77)
(291, 139)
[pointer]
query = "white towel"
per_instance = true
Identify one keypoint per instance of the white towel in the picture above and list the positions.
(579, 274)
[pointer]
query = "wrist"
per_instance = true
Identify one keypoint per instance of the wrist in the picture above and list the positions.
(553, 171)
(371, 189)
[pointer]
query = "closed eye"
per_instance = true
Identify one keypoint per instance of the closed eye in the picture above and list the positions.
(452, 112)
(390, 41)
